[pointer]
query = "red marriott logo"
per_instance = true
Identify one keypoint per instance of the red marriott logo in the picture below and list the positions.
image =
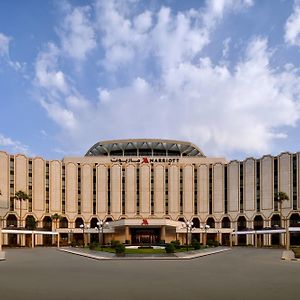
(145, 160)
(145, 222)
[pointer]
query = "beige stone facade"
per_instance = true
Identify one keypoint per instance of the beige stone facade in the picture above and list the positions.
(147, 198)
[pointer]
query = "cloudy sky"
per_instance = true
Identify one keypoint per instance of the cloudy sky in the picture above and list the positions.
(223, 74)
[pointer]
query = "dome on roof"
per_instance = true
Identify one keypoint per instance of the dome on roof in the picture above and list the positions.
(144, 147)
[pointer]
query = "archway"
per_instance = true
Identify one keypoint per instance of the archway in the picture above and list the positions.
(47, 225)
(295, 236)
(275, 224)
(211, 236)
(78, 237)
(12, 223)
(258, 225)
(63, 223)
(241, 226)
(94, 236)
(225, 236)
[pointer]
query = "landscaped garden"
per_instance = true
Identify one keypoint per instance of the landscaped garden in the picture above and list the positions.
(173, 247)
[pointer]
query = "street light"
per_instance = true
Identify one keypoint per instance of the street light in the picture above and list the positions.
(83, 228)
(189, 227)
(205, 227)
(101, 224)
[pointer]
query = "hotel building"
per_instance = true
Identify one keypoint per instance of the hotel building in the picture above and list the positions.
(147, 189)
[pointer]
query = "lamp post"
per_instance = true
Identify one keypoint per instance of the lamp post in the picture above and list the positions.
(83, 228)
(189, 227)
(100, 226)
(205, 227)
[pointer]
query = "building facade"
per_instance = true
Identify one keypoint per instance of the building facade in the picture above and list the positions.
(147, 190)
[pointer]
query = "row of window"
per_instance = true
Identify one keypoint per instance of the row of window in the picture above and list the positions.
(294, 187)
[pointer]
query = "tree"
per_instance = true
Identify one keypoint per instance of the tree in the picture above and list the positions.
(21, 196)
(56, 217)
(280, 197)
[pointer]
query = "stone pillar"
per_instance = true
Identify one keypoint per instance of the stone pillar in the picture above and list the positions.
(127, 235)
(230, 239)
(163, 233)
(58, 240)
(1, 240)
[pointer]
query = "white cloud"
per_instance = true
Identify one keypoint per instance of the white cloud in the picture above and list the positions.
(292, 26)
(77, 33)
(13, 145)
(4, 45)
(47, 75)
(4, 53)
(222, 109)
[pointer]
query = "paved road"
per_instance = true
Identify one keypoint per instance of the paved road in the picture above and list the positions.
(241, 274)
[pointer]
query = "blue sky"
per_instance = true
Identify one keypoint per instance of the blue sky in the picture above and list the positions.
(221, 74)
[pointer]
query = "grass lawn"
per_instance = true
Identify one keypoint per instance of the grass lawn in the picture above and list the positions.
(143, 251)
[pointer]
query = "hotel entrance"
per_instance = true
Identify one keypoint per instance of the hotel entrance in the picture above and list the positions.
(145, 235)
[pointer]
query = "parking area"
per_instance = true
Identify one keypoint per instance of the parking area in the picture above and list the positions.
(242, 273)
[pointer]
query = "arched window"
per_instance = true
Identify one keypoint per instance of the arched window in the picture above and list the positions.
(276, 221)
(242, 223)
(225, 222)
(11, 221)
(258, 223)
(196, 222)
(63, 223)
(94, 222)
(295, 220)
(211, 222)
(47, 223)
(181, 219)
(78, 222)
(30, 222)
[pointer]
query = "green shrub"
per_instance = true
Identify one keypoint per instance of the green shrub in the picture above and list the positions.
(114, 243)
(93, 245)
(210, 243)
(196, 245)
(127, 242)
(216, 244)
(176, 244)
(120, 248)
(170, 248)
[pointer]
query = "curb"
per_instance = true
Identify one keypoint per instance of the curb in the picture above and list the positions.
(188, 257)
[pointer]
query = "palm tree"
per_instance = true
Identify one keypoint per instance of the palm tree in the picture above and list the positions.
(21, 196)
(56, 217)
(280, 197)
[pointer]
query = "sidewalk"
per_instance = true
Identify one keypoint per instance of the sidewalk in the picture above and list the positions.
(99, 255)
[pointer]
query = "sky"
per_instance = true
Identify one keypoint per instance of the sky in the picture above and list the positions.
(222, 74)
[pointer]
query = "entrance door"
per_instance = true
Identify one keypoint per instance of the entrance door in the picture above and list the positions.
(145, 235)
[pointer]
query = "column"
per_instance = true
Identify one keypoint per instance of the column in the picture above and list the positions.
(127, 236)
(163, 233)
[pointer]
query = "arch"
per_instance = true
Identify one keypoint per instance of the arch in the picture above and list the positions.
(63, 222)
(181, 219)
(11, 221)
(109, 219)
(295, 220)
(30, 222)
(47, 223)
(258, 222)
(241, 223)
(79, 221)
(226, 222)
(276, 221)
(93, 222)
(211, 222)
(196, 222)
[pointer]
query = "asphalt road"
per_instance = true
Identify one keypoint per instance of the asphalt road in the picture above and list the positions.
(242, 273)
